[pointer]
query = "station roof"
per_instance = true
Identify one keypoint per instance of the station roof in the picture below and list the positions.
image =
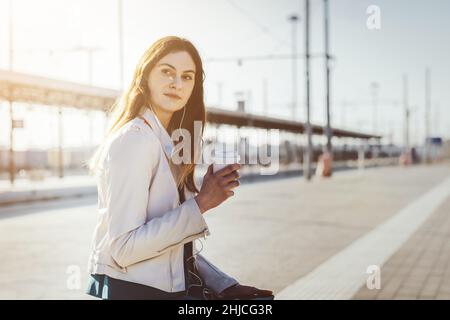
(241, 119)
(21, 87)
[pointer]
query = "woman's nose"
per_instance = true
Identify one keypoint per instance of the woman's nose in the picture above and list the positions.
(176, 82)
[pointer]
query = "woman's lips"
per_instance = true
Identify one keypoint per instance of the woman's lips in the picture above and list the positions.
(172, 96)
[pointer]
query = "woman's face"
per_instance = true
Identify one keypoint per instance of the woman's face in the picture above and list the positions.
(171, 82)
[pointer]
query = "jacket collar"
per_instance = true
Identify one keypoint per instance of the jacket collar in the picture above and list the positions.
(166, 141)
(160, 132)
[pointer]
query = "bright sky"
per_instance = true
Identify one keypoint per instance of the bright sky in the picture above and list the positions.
(413, 35)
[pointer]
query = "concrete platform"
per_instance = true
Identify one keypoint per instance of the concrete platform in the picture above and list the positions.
(421, 268)
(270, 235)
(76, 186)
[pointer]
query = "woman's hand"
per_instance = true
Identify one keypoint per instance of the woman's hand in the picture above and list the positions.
(217, 187)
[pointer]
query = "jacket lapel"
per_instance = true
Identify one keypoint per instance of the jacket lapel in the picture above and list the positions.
(164, 138)
(165, 141)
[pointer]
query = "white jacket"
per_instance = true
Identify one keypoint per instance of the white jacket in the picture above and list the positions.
(142, 229)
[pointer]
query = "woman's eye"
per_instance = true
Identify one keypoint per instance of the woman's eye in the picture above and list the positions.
(170, 73)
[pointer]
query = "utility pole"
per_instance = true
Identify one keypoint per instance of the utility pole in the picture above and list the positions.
(308, 154)
(294, 18)
(427, 113)
(327, 73)
(406, 112)
(11, 165)
(374, 86)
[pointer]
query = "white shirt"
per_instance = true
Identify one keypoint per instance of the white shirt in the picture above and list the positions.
(141, 227)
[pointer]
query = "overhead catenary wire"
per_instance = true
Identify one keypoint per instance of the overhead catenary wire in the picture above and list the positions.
(265, 29)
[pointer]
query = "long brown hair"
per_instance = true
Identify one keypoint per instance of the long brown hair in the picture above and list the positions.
(137, 97)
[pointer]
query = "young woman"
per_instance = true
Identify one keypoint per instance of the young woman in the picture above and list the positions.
(150, 210)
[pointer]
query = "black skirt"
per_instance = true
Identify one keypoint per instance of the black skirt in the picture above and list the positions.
(104, 287)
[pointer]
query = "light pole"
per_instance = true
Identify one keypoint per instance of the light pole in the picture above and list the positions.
(327, 73)
(308, 153)
(294, 19)
(11, 165)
